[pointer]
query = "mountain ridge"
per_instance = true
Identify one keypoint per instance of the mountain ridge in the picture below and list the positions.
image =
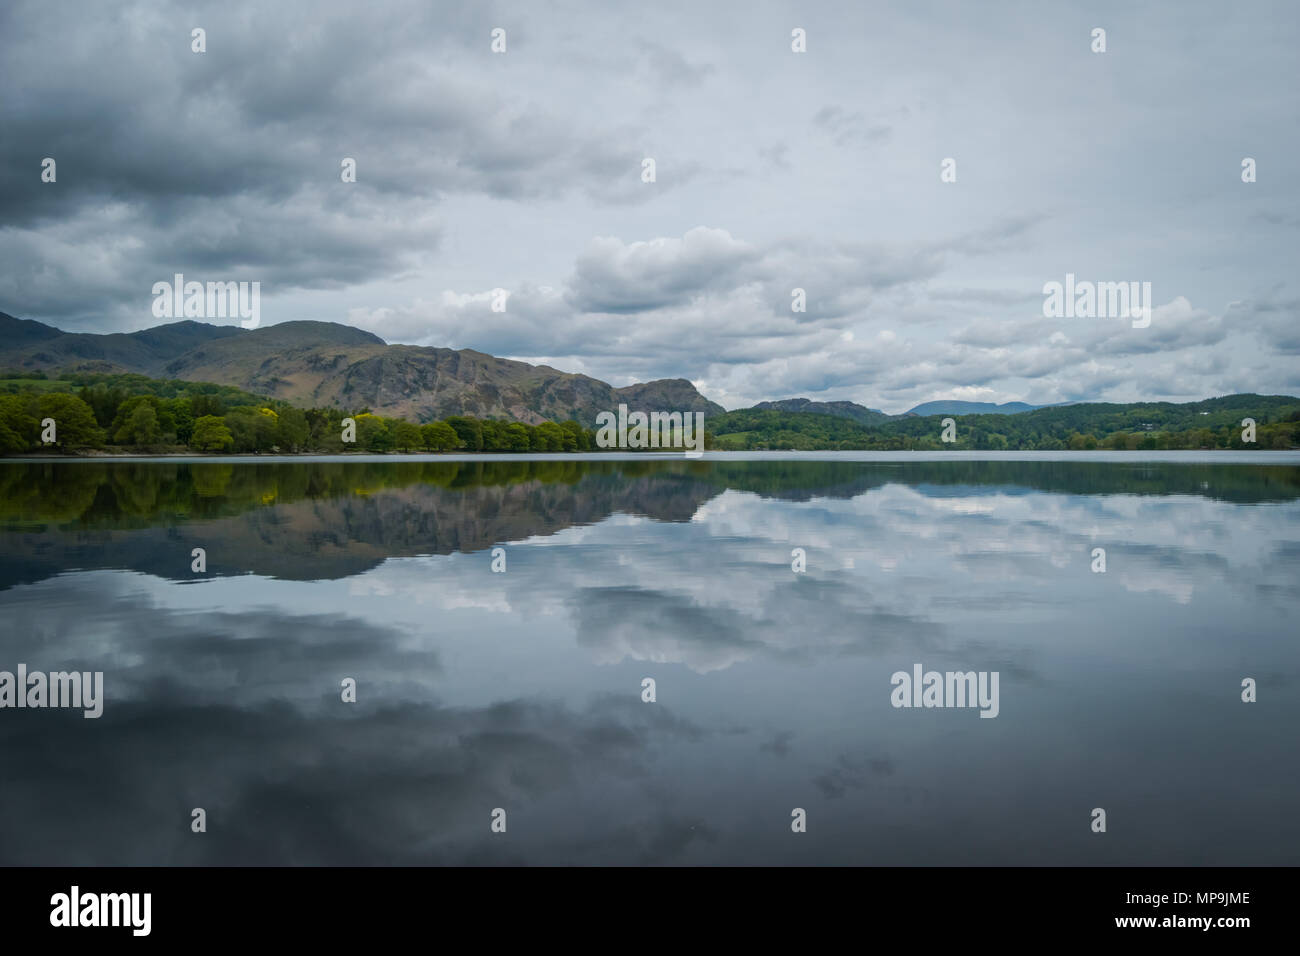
(869, 416)
(850, 410)
(327, 364)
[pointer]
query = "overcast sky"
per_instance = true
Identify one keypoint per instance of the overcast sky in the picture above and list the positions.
(774, 170)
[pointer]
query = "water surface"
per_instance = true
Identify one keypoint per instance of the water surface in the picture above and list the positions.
(522, 690)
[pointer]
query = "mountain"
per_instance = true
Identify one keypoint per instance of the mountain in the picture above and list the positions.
(946, 407)
(15, 332)
(317, 364)
(32, 345)
(850, 410)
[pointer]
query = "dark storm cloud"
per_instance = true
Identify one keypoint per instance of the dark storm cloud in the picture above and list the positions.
(273, 106)
(229, 161)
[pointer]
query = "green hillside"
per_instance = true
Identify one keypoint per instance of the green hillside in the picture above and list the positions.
(1213, 423)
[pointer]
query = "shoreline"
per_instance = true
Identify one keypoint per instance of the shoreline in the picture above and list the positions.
(1223, 455)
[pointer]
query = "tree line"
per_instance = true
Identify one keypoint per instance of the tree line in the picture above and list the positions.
(1143, 426)
(137, 413)
(156, 416)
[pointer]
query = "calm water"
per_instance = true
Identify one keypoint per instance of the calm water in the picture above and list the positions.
(522, 690)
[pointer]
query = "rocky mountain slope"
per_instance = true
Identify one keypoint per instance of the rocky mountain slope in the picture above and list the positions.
(315, 364)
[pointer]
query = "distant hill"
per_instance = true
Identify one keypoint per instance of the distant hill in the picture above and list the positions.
(947, 407)
(319, 364)
(849, 410)
(1213, 423)
(872, 416)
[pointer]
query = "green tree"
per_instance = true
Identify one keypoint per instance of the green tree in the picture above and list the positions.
(74, 420)
(211, 434)
(548, 436)
(182, 413)
(104, 401)
(326, 428)
(576, 438)
(252, 429)
(292, 431)
(373, 433)
(19, 426)
(201, 405)
(495, 437)
(405, 435)
(140, 427)
(124, 433)
(439, 436)
(469, 430)
(518, 437)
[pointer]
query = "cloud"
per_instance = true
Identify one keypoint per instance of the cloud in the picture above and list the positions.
(850, 129)
(522, 171)
(1275, 321)
(618, 277)
(228, 163)
(667, 65)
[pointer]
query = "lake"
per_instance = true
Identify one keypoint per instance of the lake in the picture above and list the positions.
(521, 689)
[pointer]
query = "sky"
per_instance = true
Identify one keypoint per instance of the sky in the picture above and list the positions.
(775, 170)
